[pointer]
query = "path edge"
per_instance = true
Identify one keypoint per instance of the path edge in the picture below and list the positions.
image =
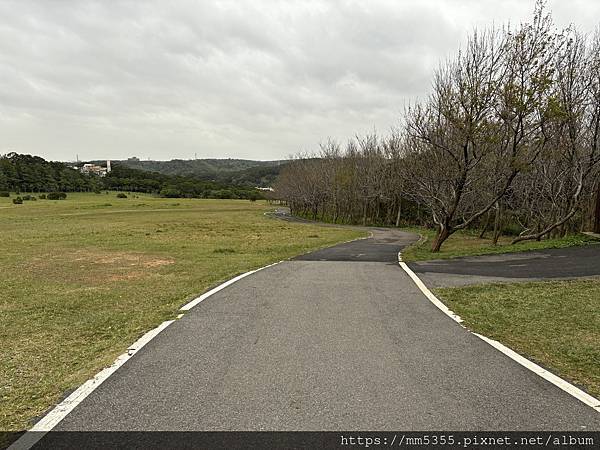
(557, 381)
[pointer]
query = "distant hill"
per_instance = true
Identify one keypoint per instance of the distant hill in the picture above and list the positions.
(236, 172)
(26, 173)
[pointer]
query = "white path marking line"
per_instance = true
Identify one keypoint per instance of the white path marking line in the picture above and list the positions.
(50, 420)
(548, 376)
(204, 296)
(432, 298)
(557, 381)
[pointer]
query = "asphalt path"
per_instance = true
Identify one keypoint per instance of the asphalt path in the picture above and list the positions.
(574, 262)
(340, 339)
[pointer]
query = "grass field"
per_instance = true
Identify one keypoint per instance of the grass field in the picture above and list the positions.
(464, 243)
(83, 278)
(554, 323)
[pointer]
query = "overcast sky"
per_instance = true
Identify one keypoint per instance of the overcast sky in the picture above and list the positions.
(241, 79)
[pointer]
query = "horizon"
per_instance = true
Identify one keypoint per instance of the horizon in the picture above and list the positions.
(226, 80)
(68, 161)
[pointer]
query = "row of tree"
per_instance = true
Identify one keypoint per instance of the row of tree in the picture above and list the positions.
(26, 173)
(123, 178)
(508, 138)
(230, 172)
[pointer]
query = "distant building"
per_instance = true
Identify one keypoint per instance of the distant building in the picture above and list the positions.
(270, 189)
(93, 169)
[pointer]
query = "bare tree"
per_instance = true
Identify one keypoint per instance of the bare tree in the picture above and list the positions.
(571, 133)
(453, 137)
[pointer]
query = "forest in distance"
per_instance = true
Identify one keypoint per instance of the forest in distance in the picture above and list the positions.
(235, 172)
(26, 173)
(507, 140)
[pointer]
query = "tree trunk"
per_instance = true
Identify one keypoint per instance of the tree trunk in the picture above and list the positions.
(442, 235)
(497, 223)
(399, 212)
(389, 212)
(485, 226)
(596, 227)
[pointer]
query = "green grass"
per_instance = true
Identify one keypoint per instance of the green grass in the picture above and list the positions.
(554, 323)
(83, 278)
(465, 243)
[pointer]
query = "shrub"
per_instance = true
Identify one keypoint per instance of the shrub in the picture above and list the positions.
(18, 201)
(511, 229)
(4, 194)
(56, 196)
(121, 195)
(170, 193)
(224, 250)
(26, 197)
(42, 196)
(254, 195)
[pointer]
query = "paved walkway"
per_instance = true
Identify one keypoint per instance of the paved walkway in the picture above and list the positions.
(574, 262)
(338, 339)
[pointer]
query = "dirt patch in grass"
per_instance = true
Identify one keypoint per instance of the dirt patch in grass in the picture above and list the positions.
(120, 259)
(96, 265)
(127, 276)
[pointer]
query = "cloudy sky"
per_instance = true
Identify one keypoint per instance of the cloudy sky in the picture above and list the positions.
(243, 79)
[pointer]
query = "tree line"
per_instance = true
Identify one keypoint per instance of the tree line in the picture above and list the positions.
(26, 173)
(506, 141)
(230, 172)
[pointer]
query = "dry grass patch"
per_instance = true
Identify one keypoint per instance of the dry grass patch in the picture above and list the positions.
(95, 266)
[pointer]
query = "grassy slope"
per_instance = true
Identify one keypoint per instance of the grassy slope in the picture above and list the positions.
(555, 323)
(83, 278)
(469, 244)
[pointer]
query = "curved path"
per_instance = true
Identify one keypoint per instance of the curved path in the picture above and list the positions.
(333, 340)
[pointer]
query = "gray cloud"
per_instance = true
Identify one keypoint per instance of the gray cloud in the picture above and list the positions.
(224, 79)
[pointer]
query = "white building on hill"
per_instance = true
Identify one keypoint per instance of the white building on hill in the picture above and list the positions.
(96, 170)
